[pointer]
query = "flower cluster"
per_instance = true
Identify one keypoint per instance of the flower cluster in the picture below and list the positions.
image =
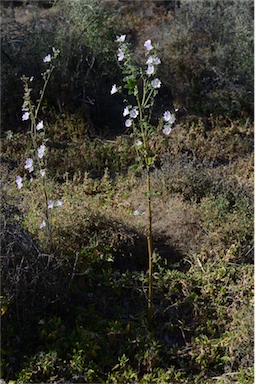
(153, 84)
(132, 112)
(122, 48)
(169, 119)
(29, 162)
(37, 131)
(52, 203)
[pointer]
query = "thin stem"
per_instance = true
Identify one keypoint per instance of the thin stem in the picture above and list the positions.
(33, 134)
(47, 215)
(43, 91)
(148, 98)
(144, 91)
(149, 240)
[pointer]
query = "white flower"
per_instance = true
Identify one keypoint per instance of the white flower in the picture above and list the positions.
(120, 55)
(126, 111)
(25, 116)
(128, 123)
(150, 60)
(50, 204)
(58, 203)
(148, 45)
(134, 113)
(167, 129)
(157, 61)
(169, 117)
(156, 83)
(150, 69)
(47, 59)
(39, 125)
(114, 89)
(43, 224)
(153, 60)
(31, 78)
(42, 172)
(138, 143)
(29, 165)
(41, 151)
(120, 39)
(19, 182)
(136, 212)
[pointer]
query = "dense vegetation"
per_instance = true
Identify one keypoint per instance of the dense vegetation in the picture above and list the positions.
(76, 311)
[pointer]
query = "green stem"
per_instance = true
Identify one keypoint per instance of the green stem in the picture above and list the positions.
(43, 91)
(33, 134)
(47, 215)
(148, 98)
(144, 91)
(149, 240)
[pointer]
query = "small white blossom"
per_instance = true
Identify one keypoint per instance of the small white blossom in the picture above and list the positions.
(41, 151)
(120, 55)
(114, 89)
(31, 78)
(47, 59)
(156, 83)
(19, 182)
(128, 123)
(58, 203)
(25, 116)
(150, 60)
(153, 60)
(50, 204)
(126, 111)
(42, 172)
(134, 113)
(169, 117)
(167, 129)
(157, 61)
(148, 45)
(120, 39)
(138, 143)
(136, 213)
(150, 69)
(43, 224)
(39, 125)
(29, 165)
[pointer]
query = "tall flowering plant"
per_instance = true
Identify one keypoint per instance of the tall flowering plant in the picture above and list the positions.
(36, 165)
(142, 85)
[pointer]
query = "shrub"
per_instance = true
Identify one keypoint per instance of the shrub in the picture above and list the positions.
(208, 56)
(228, 222)
(81, 32)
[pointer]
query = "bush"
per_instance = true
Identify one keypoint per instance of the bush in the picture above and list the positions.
(82, 33)
(209, 56)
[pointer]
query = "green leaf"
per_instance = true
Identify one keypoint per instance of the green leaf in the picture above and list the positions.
(150, 160)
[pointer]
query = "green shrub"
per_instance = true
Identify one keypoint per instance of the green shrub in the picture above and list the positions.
(82, 32)
(209, 56)
(203, 327)
(228, 222)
